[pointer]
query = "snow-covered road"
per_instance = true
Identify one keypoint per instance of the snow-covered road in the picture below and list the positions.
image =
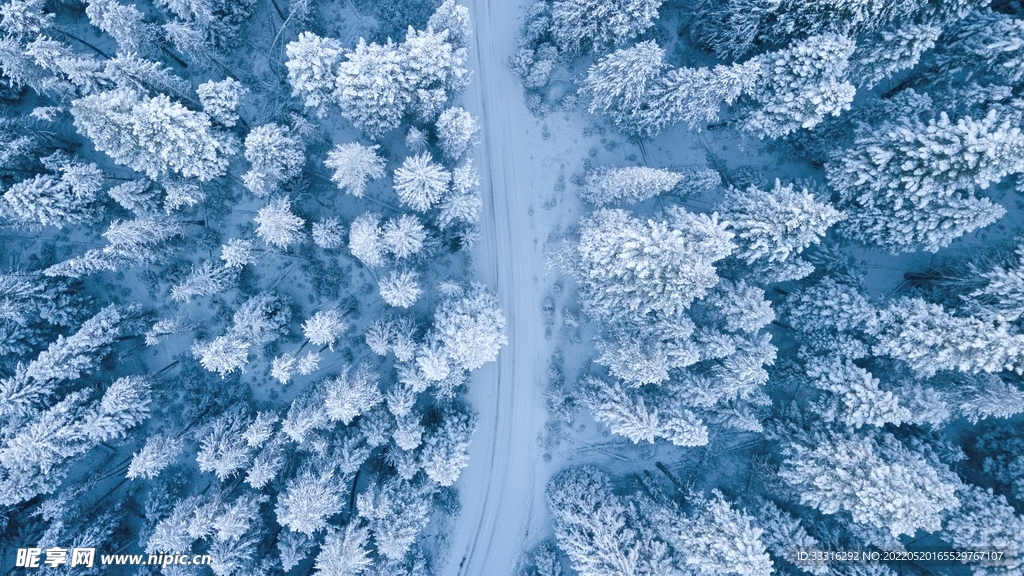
(502, 489)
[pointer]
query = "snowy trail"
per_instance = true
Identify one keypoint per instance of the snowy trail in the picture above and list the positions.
(502, 488)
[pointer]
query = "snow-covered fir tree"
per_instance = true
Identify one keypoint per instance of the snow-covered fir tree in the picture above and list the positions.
(606, 185)
(457, 133)
(876, 479)
(275, 156)
(911, 183)
(354, 165)
(277, 225)
(420, 182)
(222, 99)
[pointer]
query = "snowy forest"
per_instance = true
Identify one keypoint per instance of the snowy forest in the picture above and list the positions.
(573, 287)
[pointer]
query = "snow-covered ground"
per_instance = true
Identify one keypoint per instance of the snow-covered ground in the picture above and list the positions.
(502, 489)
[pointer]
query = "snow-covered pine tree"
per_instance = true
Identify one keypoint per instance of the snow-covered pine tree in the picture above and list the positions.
(874, 477)
(776, 225)
(237, 253)
(324, 328)
(715, 539)
(352, 393)
(329, 234)
(799, 86)
(372, 88)
(205, 280)
(396, 511)
(420, 182)
(471, 327)
(125, 24)
(222, 99)
(642, 414)
(46, 200)
(619, 85)
(309, 500)
(276, 157)
(153, 135)
(890, 51)
(929, 339)
(222, 446)
(985, 519)
(158, 453)
(446, 446)
(986, 41)
(400, 288)
(365, 240)
(345, 552)
(312, 68)
(463, 202)
(578, 26)
(863, 402)
(403, 236)
(457, 133)
(354, 165)
(223, 354)
(592, 528)
(624, 265)
(277, 225)
(606, 185)
(910, 183)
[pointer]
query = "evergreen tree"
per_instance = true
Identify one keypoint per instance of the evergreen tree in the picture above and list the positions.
(457, 133)
(714, 539)
(403, 236)
(365, 240)
(276, 157)
(125, 23)
(400, 289)
(910, 183)
(620, 85)
(308, 501)
(875, 478)
(581, 25)
(641, 415)
(352, 393)
(222, 448)
(592, 528)
(324, 328)
(396, 511)
(778, 224)
(137, 196)
(891, 51)
(799, 86)
(261, 319)
(152, 135)
(344, 552)
(446, 447)
(223, 355)
(328, 234)
(471, 327)
(454, 19)
(420, 183)
(312, 68)
(45, 200)
(237, 253)
(696, 95)
(929, 339)
(277, 225)
(987, 41)
(602, 186)
(354, 164)
(862, 400)
(221, 100)
(158, 453)
(985, 519)
(205, 280)
(623, 265)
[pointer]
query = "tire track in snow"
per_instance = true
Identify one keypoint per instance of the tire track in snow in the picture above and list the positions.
(499, 488)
